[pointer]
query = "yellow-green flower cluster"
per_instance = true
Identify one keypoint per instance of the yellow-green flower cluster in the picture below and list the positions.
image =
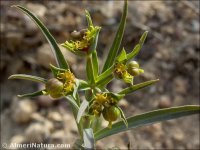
(127, 72)
(105, 104)
(60, 86)
(81, 40)
(68, 80)
(100, 101)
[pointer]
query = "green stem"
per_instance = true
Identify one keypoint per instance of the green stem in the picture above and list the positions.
(102, 83)
(77, 99)
(75, 112)
(90, 70)
(79, 125)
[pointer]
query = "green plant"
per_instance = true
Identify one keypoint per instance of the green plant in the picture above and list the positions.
(99, 101)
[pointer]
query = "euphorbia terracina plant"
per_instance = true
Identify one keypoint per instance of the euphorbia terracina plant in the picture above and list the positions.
(99, 102)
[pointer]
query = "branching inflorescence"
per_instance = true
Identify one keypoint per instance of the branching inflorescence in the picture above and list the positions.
(99, 102)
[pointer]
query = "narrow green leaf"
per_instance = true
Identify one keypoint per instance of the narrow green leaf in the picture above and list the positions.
(81, 110)
(123, 117)
(104, 82)
(117, 41)
(88, 138)
(148, 118)
(137, 87)
(28, 77)
(116, 96)
(88, 17)
(122, 56)
(94, 42)
(138, 47)
(34, 94)
(95, 63)
(135, 51)
(55, 49)
(75, 88)
(143, 38)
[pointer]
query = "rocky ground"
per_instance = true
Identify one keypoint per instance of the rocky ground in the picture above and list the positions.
(171, 53)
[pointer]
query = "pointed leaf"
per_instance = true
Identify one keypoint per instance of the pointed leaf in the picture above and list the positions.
(122, 56)
(55, 49)
(88, 17)
(55, 70)
(143, 38)
(117, 41)
(123, 116)
(34, 94)
(148, 118)
(88, 138)
(138, 47)
(137, 87)
(95, 63)
(81, 110)
(75, 88)
(94, 42)
(28, 77)
(135, 51)
(116, 96)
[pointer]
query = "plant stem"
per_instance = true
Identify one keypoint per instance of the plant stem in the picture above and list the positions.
(90, 69)
(75, 112)
(102, 83)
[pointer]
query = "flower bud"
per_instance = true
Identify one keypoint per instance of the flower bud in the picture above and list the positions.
(133, 64)
(54, 87)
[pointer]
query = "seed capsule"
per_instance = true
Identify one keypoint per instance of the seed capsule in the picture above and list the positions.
(133, 71)
(111, 113)
(76, 35)
(54, 87)
(133, 64)
(83, 31)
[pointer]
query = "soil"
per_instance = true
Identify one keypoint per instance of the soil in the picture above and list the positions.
(170, 53)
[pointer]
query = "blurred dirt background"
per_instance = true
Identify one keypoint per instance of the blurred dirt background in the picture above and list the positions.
(170, 53)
